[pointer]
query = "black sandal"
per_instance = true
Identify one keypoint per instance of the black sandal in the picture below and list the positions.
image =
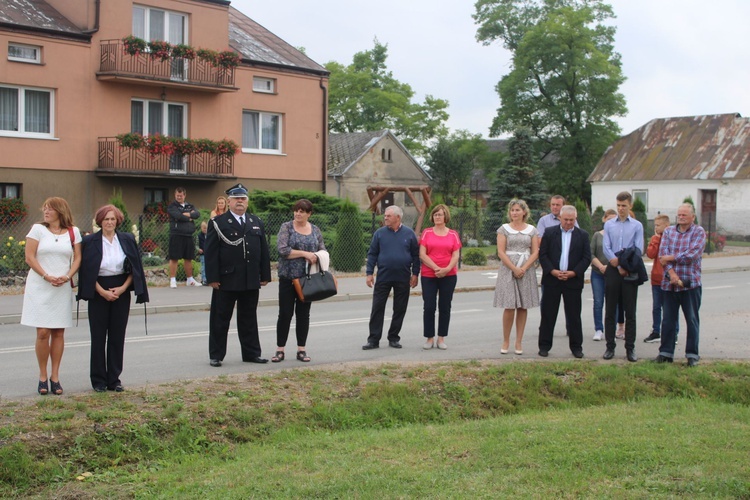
(302, 356)
(278, 357)
(57, 389)
(43, 388)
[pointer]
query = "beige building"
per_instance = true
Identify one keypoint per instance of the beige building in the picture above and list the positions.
(359, 161)
(68, 88)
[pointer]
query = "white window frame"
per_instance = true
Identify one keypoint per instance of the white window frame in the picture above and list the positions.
(21, 132)
(146, 35)
(36, 60)
(641, 194)
(165, 115)
(264, 85)
(279, 134)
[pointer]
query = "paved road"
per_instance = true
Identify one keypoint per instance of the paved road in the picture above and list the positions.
(176, 347)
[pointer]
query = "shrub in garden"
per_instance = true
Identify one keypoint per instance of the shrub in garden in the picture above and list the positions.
(182, 276)
(12, 211)
(152, 261)
(13, 256)
(117, 201)
(474, 257)
(348, 253)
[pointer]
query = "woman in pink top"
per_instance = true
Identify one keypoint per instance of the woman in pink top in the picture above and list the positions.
(439, 249)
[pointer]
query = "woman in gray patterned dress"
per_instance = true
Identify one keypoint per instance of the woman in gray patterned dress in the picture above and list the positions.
(516, 289)
(297, 243)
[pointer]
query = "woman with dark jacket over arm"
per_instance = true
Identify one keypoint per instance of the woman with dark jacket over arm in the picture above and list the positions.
(111, 268)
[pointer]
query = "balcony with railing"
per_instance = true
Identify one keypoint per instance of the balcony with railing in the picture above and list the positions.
(116, 64)
(115, 160)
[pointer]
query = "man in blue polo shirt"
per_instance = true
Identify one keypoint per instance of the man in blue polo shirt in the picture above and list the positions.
(395, 252)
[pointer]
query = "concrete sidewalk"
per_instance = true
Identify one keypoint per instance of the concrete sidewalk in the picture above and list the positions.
(168, 300)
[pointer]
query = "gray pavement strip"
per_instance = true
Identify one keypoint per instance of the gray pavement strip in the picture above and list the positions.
(138, 310)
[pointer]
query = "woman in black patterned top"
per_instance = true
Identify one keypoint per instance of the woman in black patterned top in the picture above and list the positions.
(297, 243)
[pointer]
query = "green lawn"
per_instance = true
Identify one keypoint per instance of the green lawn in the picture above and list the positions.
(446, 430)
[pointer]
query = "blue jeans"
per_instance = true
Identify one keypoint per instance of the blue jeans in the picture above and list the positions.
(690, 302)
(203, 268)
(657, 295)
(432, 288)
(597, 286)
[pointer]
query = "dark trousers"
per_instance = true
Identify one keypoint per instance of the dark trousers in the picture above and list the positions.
(549, 310)
(222, 307)
(377, 316)
(615, 289)
(437, 292)
(690, 302)
(107, 323)
(290, 305)
(541, 303)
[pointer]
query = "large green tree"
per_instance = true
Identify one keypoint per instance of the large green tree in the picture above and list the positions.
(364, 96)
(451, 161)
(563, 83)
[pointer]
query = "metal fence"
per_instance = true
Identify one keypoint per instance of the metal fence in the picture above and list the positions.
(347, 236)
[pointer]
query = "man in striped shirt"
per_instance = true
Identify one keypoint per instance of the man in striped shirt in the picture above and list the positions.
(681, 254)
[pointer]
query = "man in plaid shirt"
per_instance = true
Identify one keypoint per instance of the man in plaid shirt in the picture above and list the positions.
(681, 254)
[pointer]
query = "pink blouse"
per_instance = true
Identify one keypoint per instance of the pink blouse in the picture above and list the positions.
(440, 249)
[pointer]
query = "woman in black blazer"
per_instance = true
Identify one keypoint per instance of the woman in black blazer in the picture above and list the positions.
(111, 267)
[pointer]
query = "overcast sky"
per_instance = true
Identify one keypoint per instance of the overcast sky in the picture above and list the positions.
(680, 57)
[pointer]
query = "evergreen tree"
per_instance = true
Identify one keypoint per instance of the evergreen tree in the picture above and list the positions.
(584, 218)
(118, 202)
(596, 220)
(639, 209)
(519, 176)
(348, 253)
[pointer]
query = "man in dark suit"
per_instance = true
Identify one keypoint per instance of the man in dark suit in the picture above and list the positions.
(565, 255)
(237, 265)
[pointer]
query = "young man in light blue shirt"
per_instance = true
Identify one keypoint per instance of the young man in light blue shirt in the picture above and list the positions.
(620, 233)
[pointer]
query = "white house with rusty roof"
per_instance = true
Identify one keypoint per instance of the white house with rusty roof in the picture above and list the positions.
(668, 159)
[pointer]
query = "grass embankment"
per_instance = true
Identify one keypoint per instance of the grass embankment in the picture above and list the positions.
(448, 430)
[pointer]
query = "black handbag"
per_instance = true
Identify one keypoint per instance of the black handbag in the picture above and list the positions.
(127, 267)
(316, 286)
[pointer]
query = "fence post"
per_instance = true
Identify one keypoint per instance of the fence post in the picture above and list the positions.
(140, 235)
(461, 235)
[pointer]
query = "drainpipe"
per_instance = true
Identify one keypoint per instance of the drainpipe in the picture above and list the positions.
(325, 134)
(97, 10)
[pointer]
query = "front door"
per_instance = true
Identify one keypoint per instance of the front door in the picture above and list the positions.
(708, 210)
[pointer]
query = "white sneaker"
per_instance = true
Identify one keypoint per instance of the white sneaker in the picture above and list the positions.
(172, 283)
(598, 335)
(193, 283)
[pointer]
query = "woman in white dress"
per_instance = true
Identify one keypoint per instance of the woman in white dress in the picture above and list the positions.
(516, 290)
(53, 252)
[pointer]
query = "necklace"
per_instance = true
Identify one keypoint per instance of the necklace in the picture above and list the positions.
(57, 235)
